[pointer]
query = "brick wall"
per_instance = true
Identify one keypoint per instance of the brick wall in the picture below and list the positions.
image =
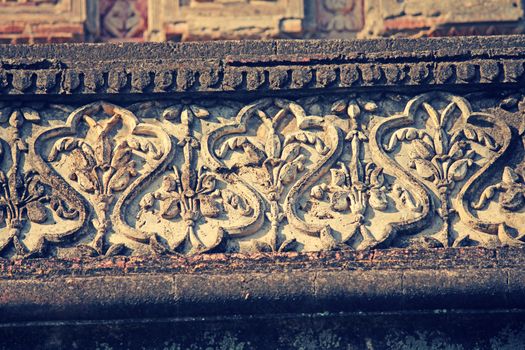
(44, 21)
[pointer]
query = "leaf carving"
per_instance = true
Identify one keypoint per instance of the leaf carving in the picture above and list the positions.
(424, 168)
(272, 146)
(169, 208)
(458, 170)
(405, 134)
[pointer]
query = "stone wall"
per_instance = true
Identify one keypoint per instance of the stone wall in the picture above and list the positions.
(352, 187)
(42, 21)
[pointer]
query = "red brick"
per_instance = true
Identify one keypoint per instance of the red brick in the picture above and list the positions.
(12, 28)
(409, 22)
(57, 28)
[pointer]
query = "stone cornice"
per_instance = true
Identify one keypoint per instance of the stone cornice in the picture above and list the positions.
(258, 66)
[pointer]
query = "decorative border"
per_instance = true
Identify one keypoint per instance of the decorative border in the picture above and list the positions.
(257, 66)
(391, 279)
(280, 77)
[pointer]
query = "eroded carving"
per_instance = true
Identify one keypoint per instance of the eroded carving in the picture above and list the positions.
(99, 159)
(337, 16)
(189, 193)
(122, 19)
(346, 171)
(270, 159)
(440, 137)
(25, 196)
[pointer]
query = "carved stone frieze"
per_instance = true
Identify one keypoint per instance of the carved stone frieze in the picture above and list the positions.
(320, 172)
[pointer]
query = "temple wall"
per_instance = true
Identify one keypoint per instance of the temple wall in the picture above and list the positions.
(55, 21)
(330, 194)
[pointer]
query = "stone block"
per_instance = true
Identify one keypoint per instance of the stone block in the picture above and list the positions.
(246, 19)
(472, 17)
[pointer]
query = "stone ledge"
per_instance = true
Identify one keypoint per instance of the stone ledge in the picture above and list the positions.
(469, 258)
(217, 285)
(254, 293)
(258, 66)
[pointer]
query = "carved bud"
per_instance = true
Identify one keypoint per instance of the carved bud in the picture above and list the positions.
(458, 170)
(199, 112)
(353, 110)
(339, 201)
(208, 183)
(510, 177)
(16, 119)
(370, 107)
(338, 178)
(172, 112)
(291, 152)
(208, 207)
(36, 189)
(122, 155)
(272, 147)
(456, 151)
(86, 182)
(288, 173)
(422, 150)
(424, 168)
(30, 115)
(122, 177)
(377, 178)
(147, 202)
(36, 212)
(338, 106)
(169, 209)
(378, 199)
(512, 199)
(317, 192)
(440, 141)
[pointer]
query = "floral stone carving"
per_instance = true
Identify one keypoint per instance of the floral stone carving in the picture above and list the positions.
(341, 171)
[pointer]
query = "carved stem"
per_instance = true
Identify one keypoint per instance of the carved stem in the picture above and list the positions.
(444, 234)
(196, 243)
(274, 221)
(101, 209)
(355, 163)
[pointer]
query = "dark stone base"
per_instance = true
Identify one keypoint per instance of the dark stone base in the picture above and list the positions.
(434, 330)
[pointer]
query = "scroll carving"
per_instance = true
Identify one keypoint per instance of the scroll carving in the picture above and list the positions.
(28, 197)
(269, 159)
(444, 141)
(96, 148)
(341, 171)
(190, 194)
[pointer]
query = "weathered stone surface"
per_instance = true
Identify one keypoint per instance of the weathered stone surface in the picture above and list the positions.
(441, 17)
(113, 180)
(203, 180)
(324, 171)
(469, 11)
